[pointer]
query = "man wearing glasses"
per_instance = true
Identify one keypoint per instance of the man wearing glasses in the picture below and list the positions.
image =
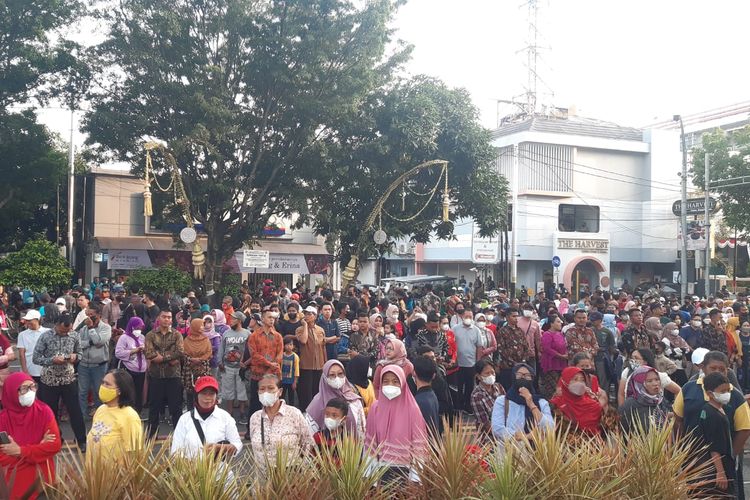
(56, 352)
(94, 334)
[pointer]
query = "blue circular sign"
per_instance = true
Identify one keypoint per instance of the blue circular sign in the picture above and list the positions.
(555, 261)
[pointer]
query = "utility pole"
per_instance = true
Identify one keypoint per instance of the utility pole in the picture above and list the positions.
(683, 212)
(71, 192)
(707, 229)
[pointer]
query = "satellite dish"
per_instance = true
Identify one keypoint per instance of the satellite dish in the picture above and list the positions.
(188, 235)
(379, 237)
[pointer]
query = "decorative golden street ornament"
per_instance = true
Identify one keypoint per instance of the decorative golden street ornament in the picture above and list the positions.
(379, 237)
(180, 198)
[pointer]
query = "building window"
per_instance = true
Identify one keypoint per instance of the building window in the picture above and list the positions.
(578, 218)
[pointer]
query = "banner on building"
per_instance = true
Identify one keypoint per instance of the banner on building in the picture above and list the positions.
(128, 259)
(484, 250)
(280, 263)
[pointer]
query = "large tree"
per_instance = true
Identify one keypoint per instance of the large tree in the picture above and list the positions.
(729, 159)
(242, 93)
(33, 59)
(398, 128)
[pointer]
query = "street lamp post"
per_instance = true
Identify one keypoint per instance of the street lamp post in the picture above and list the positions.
(683, 211)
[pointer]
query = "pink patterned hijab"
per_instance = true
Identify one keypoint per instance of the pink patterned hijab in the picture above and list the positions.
(396, 431)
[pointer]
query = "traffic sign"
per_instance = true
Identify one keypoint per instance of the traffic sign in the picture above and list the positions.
(555, 261)
(695, 206)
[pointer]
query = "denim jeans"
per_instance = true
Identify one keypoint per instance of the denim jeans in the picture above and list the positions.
(89, 377)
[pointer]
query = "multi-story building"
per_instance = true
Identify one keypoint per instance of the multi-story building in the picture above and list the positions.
(593, 196)
(118, 237)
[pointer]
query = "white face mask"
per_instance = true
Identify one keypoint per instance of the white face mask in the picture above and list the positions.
(723, 398)
(467, 321)
(445, 327)
(696, 323)
(391, 391)
(60, 307)
(490, 317)
(268, 398)
(274, 314)
(675, 332)
(27, 399)
(332, 423)
(675, 308)
(481, 324)
(706, 321)
(527, 313)
(136, 332)
(336, 382)
(577, 388)
(489, 379)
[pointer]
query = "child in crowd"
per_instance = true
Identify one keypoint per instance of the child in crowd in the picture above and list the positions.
(336, 412)
(289, 371)
(714, 431)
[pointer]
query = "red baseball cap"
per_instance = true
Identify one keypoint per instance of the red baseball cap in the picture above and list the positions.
(205, 382)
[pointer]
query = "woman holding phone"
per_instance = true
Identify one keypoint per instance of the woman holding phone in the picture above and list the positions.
(29, 437)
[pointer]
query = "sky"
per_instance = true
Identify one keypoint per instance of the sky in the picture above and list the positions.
(631, 62)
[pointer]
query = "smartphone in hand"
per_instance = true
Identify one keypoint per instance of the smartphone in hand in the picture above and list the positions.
(4, 439)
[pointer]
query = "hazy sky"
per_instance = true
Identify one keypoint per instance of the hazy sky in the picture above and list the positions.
(626, 61)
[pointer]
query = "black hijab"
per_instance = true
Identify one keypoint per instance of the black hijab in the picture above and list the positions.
(514, 395)
(356, 371)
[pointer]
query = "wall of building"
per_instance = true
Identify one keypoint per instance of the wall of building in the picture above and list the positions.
(118, 206)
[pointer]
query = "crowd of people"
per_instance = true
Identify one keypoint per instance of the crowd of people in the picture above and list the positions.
(296, 369)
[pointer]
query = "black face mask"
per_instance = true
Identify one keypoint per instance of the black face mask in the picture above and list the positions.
(254, 311)
(460, 312)
(292, 315)
(589, 371)
(522, 382)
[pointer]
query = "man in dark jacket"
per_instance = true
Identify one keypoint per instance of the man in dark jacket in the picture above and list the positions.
(425, 371)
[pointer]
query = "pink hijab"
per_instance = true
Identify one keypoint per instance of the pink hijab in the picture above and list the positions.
(564, 306)
(396, 431)
(317, 407)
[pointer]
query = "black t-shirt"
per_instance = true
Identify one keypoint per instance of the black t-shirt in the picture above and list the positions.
(287, 327)
(713, 430)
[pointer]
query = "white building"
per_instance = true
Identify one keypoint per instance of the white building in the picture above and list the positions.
(596, 195)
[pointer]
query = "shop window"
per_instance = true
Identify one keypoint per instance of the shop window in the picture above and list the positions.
(578, 218)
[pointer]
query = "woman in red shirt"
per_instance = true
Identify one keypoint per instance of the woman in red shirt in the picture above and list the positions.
(33, 434)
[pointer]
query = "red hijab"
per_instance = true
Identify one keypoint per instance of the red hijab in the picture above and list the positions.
(26, 425)
(584, 411)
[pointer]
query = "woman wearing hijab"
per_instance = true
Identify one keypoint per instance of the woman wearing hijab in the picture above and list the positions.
(521, 409)
(33, 434)
(377, 336)
(196, 357)
(214, 337)
(356, 372)
(645, 402)
(334, 384)
(129, 352)
(395, 354)
(220, 321)
(678, 349)
(577, 403)
(564, 305)
(396, 434)
(653, 328)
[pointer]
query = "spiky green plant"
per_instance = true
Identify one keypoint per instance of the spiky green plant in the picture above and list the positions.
(204, 477)
(348, 472)
(507, 480)
(93, 476)
(658, 466)
(455, 466)
(288, 477)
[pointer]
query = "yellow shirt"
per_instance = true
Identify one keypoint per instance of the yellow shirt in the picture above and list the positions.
(115, 429)
(368, 396)
(741, 414)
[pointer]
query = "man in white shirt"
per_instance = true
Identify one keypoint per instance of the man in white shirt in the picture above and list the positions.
(218, 430)
(83, 304)
(27, 340)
